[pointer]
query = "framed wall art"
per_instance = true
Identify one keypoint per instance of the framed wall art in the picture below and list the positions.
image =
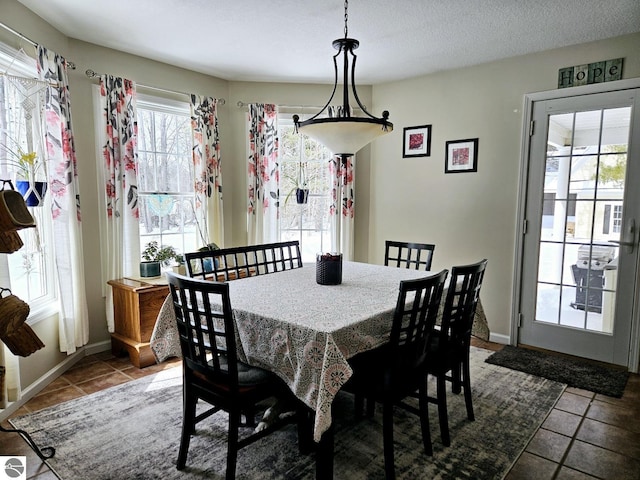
(461, 156)
(416, 141)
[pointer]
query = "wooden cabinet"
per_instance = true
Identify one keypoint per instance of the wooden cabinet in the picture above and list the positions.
(136, 304)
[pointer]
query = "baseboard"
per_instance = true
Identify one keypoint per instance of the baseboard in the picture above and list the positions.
(37, 386)
(499, 338)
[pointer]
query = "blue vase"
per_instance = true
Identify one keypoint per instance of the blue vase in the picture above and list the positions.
(32, 192)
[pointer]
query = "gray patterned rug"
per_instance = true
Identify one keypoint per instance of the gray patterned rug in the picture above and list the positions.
(132, 431)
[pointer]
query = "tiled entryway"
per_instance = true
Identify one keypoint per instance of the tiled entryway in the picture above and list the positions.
(585, 436)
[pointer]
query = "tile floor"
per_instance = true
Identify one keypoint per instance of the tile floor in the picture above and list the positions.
(585, 436)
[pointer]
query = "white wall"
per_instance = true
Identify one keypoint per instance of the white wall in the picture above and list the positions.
(469, 216)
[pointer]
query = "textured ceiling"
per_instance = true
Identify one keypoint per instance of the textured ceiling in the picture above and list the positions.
(290, 40)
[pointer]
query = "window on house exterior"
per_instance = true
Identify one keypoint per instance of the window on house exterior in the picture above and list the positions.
(612, 219)
(166, 175)
(29, 270)
(304, 161)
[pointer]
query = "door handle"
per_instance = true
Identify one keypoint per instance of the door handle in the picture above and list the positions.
(628, 241)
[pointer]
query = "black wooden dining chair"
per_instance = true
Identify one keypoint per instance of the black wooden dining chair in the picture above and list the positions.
(247, 260)
(448, 357)
(392, 372)
(211, 369)
(408, 255)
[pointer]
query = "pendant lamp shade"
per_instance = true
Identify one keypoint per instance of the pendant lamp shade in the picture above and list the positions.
(344, 136)
(335, 127)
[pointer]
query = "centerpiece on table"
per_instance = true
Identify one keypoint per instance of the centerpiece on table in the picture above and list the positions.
(329, 268)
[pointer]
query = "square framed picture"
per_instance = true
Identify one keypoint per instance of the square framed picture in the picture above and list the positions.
(461, 156)
(416, 141)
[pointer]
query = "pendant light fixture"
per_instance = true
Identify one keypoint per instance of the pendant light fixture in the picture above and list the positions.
(335, 127)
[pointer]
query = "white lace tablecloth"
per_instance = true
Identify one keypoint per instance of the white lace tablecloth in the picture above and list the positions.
(302, 331)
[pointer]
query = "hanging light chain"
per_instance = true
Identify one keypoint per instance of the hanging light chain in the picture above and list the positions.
(346, 17)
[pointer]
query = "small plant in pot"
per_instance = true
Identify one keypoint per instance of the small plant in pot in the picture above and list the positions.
(208, 267)
(179, 264)
(30, 173)
(301, 187)
(154, 256)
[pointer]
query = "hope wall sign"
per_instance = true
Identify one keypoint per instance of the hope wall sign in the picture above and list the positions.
(598, 72)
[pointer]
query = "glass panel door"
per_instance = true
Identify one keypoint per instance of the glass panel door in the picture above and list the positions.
(577, 210)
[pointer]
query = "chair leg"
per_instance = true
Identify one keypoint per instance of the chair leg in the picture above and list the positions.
(456, 383)
(466, 379)
(424, 419)
(358, 405)
(442, 409)
(371, 407)
(188, 427)
(232, 444)
(305, 429)
(387, 436)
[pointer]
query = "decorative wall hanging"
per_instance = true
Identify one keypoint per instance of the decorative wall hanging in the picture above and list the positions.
(461, 156)
(596, 72)
(416, 141)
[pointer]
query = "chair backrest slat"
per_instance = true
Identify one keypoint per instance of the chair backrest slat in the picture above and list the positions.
(461, 301)
(206, 327)
(409, 255)
(414, 320)
(235, 262)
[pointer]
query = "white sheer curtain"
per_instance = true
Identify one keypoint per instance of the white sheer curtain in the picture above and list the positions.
(263, 175)
(65, 205)
(343, 207)
(118, 139)
(207, 166)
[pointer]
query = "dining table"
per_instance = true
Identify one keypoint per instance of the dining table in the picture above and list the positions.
(306, 332)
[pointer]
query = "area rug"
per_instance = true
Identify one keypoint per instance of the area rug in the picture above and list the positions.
(574, 372)
(132, 431)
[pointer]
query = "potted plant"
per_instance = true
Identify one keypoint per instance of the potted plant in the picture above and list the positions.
(301, 188)
(179, 266)
(30, 174)
(155, 255)
(206, 263)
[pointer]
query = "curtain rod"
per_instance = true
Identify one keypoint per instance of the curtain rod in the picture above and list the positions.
(242, 104)
(91, 74)
(72, 65)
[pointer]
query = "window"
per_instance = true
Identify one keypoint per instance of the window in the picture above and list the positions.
(303, 160)
(30, 269)
(166, 175)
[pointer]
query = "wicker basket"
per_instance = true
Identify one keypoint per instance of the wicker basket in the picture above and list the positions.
(14, 332)
(14, 214)
(329, 268)
(10, 242)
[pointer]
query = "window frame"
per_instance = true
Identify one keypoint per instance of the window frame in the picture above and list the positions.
(18, 63)
(178, 108)
(285, 121)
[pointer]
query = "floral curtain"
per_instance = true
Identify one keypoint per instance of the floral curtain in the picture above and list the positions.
(119, 138)
(65, 206)
(207, 167)
(263, 174)
(342, 209)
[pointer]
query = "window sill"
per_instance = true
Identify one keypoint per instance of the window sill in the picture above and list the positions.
(42, 311)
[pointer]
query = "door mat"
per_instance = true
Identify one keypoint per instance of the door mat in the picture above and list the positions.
(574, 372)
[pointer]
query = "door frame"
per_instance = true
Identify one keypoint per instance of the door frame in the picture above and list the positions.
(529, 99)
